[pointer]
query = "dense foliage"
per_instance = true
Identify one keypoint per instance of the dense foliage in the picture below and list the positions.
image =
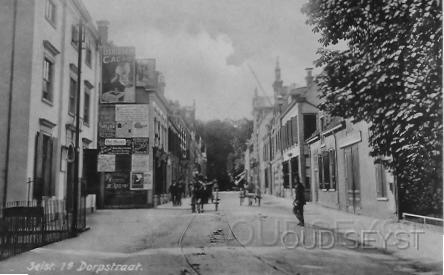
(390, 76)
(225, 143)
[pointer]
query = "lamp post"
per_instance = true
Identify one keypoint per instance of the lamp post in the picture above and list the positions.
(75, 194)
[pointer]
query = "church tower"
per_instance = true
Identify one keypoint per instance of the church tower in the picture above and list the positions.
(278, 83)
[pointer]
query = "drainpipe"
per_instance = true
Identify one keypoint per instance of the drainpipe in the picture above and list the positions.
(11, 80)
(336, 168)
(77, 154)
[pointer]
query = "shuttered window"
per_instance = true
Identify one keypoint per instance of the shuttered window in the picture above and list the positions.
(294, 126)
(327, 170)
(381, 182)
(332, 157)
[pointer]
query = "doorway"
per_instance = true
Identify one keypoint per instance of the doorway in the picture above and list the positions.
(353, 190)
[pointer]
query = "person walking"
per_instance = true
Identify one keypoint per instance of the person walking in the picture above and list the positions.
(173, 193)
(299, 201)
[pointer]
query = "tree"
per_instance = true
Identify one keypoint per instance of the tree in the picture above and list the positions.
(225, 141)
(390, 76)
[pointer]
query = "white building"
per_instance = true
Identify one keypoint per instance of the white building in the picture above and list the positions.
(38, 80)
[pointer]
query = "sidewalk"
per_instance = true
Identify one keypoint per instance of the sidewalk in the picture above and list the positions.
(406, 240)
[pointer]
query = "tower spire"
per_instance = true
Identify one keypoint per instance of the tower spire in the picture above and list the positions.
(277, 70)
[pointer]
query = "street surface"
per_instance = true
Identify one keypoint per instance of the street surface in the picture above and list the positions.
(238, 239)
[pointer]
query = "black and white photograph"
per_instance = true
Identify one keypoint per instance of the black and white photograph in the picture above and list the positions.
(195, 137)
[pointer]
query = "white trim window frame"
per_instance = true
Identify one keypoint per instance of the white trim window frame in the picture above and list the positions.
(51, 12)
(48, 79)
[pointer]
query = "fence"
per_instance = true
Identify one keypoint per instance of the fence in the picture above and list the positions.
(423, 219)
(29, 224)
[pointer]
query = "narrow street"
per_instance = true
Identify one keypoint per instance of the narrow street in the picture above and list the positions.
(172, 240)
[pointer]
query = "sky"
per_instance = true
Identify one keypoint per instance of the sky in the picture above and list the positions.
(205, 48)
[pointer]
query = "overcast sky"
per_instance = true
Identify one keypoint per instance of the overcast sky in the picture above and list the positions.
(204, 47)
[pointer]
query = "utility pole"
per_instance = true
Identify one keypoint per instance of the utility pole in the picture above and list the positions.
(74, 229)
(8, 129)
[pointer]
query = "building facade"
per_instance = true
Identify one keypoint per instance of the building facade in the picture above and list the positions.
(40, 77)
(344, 175)
(329, 155)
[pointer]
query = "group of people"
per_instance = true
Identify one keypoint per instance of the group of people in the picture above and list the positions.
(176, 191)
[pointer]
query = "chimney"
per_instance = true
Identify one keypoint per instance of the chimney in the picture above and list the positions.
(102, 27)
(309, 77)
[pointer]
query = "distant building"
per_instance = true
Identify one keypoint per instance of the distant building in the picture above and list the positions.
(39, 80)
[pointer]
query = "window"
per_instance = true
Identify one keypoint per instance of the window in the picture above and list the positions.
(48, 73)
(332, 157)
(309, 125)
(72, 96)
(74, 35)
(88, 54)
(327, 170)
(86, 102)
(323, 123)
(43, 173)
(50, 12)
(381, 182)
(294, 126)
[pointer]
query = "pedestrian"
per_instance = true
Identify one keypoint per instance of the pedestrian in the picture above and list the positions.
(299, 201)
(179, 193)
(173, 193)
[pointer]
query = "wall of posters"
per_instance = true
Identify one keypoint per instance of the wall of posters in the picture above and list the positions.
(106, 163)
(118, 75)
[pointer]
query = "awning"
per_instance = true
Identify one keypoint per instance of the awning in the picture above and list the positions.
(239, 178)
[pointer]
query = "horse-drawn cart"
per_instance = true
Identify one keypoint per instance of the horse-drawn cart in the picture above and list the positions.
(253, 198)
(204, 193)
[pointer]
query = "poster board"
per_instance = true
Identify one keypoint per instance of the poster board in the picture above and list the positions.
(140, 162)
(106, 163)
(141, 181)
(118, 75)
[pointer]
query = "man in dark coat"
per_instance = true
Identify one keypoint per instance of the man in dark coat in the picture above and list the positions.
(299, 201)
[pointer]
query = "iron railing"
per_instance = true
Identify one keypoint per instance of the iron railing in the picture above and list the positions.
(25, 225)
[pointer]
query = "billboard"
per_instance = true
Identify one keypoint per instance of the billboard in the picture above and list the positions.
(141, 181)
(146, 75)
(118, 75)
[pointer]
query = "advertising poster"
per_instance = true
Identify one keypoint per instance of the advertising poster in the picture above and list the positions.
(140, 162)
(141, 181)
(146, 73)
(117, 181)
(140, 145)
(137, 181)
(107, 113)
(115, 149)
(107, 129)
(106, 163)
(124, 129)
(118, 75)
(133, 112)
(139, 129)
